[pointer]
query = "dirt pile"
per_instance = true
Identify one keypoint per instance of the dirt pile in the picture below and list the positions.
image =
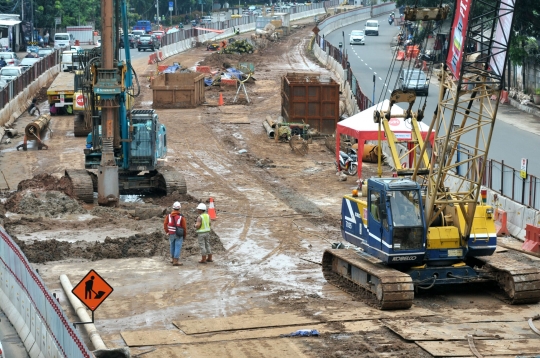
(43, 203)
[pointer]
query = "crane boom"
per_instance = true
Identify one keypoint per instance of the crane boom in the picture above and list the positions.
(465, 116)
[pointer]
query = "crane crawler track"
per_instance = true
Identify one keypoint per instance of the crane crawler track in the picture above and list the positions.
(368, 279)
(519, 280)
(172, 180)
(83, 187)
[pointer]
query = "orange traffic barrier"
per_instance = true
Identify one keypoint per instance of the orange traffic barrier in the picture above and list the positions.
(504, 97)
(230, 82)
(152, 59)
(400, 56)
(212, 210)
(162, 68)
(501, 219)
(220, 103)
(203, 69)
(532, 239)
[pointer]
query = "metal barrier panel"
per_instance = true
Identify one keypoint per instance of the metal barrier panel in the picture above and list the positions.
(35, 313)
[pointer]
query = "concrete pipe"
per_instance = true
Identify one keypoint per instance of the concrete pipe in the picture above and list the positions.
(33, 129)
(11, 133)
(268, 129)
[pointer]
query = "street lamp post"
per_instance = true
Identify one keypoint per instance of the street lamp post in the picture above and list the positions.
(157, 11)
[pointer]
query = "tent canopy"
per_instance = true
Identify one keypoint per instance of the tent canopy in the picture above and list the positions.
(362, 127)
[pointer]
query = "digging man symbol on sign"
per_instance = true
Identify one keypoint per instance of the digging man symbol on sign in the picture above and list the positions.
(92, 290)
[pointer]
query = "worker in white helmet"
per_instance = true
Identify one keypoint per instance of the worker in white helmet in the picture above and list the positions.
(175, 226)
(203, 233)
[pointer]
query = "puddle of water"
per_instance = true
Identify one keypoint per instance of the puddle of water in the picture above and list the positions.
(132, 198)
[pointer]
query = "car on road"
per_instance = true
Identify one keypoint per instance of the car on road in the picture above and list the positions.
(11, 58)
(158, 34)
(138, 33)
(42, 52)
(26, 63)
(9, 73)
(131, 39)
(147, 42)
(357, 37)
(414, 80)
(372, 27)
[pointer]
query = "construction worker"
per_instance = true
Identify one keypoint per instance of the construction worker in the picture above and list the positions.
(175, 226)
(203, 233)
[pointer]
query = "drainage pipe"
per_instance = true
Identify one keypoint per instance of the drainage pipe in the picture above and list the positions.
(91, 329)
(268, 129)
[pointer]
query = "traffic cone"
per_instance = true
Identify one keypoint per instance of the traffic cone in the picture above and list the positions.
(220, 103)
(212, 210)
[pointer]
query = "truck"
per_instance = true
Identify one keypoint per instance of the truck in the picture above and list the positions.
(126, 148)
(60, 94)
(430, 225)
(143, 25)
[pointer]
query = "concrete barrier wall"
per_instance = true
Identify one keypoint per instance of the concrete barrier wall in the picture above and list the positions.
(33, 311)
(20, 103)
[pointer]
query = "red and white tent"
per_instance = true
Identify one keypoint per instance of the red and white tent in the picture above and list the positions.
(362, 127)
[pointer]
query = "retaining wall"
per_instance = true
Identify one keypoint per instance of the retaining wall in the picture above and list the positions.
(16, 107)
(33, 311)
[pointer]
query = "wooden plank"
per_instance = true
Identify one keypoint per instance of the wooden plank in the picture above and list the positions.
(368, 313)
(414, 330)
(238, 119)
(268, 348)
(500, 313)
(488, 348)
(235, 323)
(171, 337)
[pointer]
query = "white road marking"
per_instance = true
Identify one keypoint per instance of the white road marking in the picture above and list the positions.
(380, 78)
(370, 68)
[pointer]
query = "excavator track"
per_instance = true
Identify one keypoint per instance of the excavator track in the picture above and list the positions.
(368, 279)
(519, 280)
(83, 187)
(171, 180)
(79, 126)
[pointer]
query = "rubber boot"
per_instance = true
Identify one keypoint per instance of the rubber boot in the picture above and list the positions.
(209, 259)
(203, 260)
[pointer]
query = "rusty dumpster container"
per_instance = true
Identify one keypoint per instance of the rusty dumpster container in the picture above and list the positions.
(311, 98)
(178, 90)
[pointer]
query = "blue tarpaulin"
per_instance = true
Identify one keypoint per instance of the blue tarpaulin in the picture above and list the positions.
(302, 333)
(171, 69)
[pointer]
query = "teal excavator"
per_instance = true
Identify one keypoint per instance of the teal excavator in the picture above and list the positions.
(126, 149)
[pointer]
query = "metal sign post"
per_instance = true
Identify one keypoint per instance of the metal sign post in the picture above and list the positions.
(170, 10)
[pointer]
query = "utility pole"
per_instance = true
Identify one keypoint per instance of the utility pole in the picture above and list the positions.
(157, 11)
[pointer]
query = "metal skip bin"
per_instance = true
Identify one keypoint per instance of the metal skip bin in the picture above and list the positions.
(178, 90)
(311, 98)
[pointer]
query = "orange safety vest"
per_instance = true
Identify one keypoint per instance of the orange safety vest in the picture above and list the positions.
(171, 225)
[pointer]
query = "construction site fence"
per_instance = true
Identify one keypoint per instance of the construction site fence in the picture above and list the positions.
(507, 181)
(243, 24)
(14, 87)
(32, 309)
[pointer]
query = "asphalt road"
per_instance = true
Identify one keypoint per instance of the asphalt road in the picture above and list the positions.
(509, 143)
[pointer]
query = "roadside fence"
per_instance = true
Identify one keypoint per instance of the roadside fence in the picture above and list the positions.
(14, 87)
(34, 312)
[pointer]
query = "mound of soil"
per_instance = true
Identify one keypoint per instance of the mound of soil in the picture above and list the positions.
(43, 203)
(47, 182)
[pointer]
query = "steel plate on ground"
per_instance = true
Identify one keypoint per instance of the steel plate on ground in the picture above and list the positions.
(486, 348)
(413, 330)
(268, 348)
(235, 323)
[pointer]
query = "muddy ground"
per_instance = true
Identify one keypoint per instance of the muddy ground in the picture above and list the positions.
(277, 212)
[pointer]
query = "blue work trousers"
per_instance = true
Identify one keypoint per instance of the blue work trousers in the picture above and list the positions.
(176, 245)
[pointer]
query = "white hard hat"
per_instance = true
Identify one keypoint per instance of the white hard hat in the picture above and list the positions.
(202, 207)
(177, 205)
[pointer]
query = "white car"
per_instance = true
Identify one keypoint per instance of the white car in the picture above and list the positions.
(357, 37)
(26, 63)
(9, 73)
